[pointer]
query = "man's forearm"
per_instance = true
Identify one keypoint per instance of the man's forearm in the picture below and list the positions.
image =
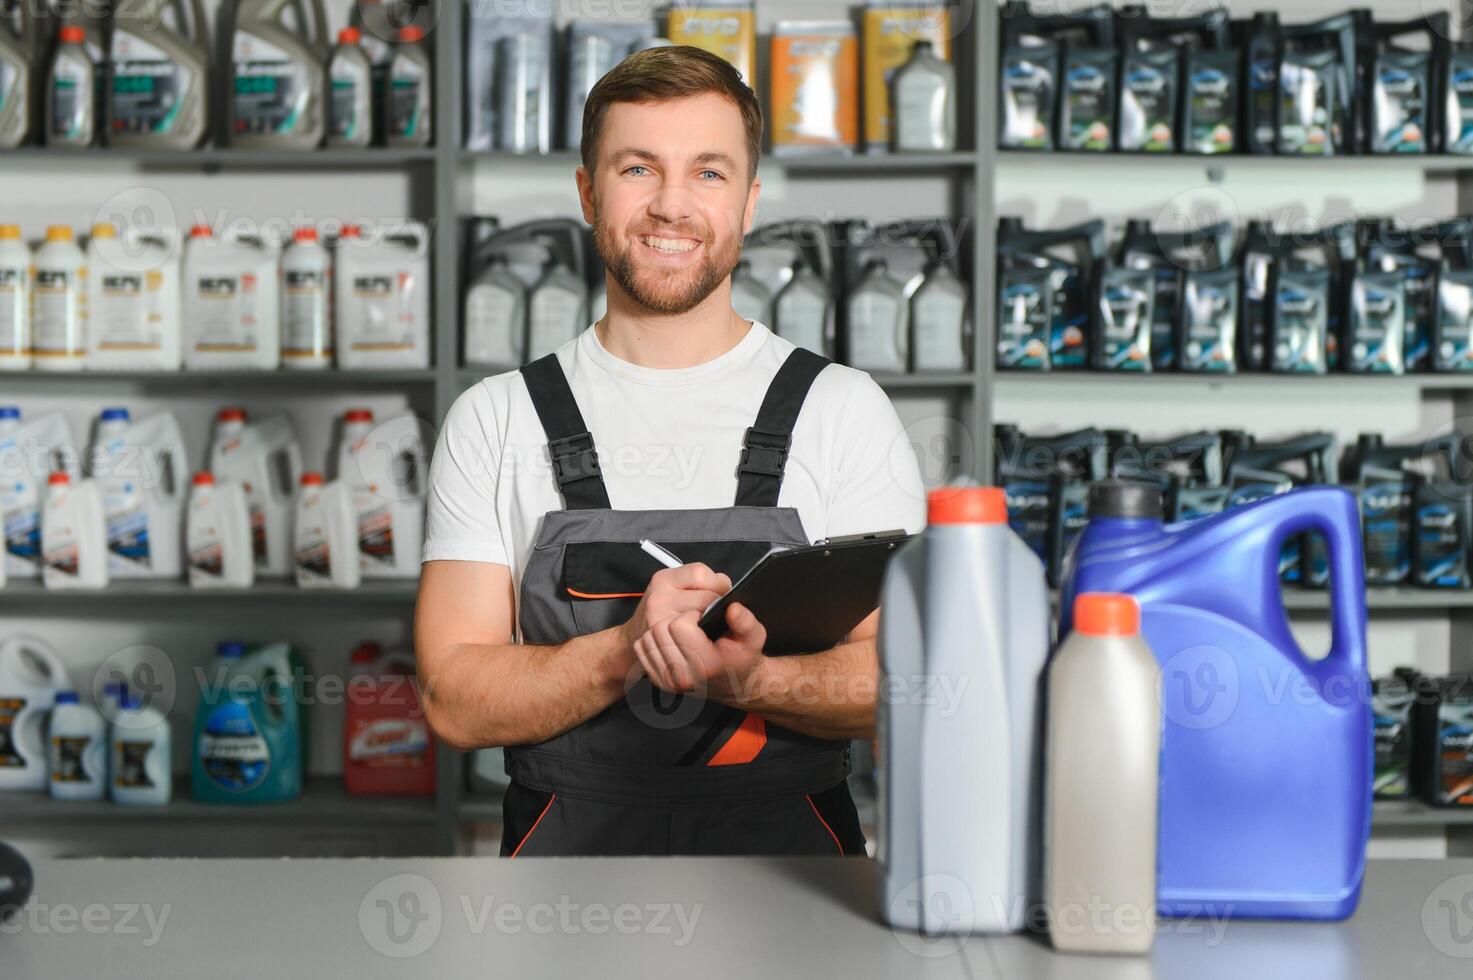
(826, 695)
(508, 694)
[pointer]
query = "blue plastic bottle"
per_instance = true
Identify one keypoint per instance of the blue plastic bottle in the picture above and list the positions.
(249, 731)
(1267, 756)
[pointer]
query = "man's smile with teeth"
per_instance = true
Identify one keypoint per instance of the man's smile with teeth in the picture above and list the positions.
(669, 244)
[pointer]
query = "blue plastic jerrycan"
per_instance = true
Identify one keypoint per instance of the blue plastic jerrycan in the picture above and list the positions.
(250, 730)
(1266, 755)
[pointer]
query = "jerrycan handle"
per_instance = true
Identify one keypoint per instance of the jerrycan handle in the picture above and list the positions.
(1332, 512)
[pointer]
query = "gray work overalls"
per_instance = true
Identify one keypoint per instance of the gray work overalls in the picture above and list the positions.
(657, 773)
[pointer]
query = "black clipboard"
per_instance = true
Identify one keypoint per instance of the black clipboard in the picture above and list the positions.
(809, 598)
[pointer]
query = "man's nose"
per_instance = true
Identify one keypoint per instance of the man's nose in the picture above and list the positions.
(672, 202)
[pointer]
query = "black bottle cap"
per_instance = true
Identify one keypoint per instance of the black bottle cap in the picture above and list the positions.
(1125, 498)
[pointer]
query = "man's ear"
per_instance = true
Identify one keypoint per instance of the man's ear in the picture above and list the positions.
(585, 193)
(750, 212)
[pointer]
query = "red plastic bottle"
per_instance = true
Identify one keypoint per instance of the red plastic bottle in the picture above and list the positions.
(388, 749)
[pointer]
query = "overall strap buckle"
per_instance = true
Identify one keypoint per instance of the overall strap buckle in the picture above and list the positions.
(574, 459)
(765, 452)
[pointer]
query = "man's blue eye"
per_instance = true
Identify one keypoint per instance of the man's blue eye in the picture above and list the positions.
(710, 173)
(637, 166)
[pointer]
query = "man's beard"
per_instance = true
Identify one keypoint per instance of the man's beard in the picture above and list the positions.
(667, 294)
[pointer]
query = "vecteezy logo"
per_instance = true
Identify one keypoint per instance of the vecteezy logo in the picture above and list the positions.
(930, 916)
(400, 917)
(1447, 917)
(1199, 687)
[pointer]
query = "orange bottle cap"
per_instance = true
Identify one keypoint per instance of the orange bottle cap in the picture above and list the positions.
(967, 505)
(1107, 614)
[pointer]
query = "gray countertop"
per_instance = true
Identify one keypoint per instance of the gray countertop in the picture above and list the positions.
(647, 918)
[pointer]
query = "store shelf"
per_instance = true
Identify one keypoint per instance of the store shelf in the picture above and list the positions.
(320, 159)
(1377, 599)
(323, 800)
(273, 380)
(1388, 815)
(890, 382)
(30, 593)
(1015, 380)
(1101, 165)
(818, 163)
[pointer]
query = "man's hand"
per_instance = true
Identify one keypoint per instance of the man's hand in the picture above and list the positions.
(679, 657)
(672, 592)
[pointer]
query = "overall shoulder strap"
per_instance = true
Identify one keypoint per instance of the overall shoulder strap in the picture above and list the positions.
(574, 460)
(766, 444)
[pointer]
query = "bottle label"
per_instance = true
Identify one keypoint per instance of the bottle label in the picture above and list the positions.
(493, 326)
(56, 313)
(272, 92)
(382, 313)
(922, 122)
(874, 327)
(1460, 123)
(1305, 112)
(147, 87)
(1455, 754)
(206, 550)
(70, 99)
(305, 315)
(375, 530)
(127, 526)
(1024, 323)
(122, 318)
(66, 759)
(14, 323)
(1400, 107)
(130, 766)
(63, 556)
(232, 751)
(10, 710)
(1147, 108)
(937, 318)
(224, 316)
(800, 318)
(389, 743)
(1212, 102)
(407, 117)
(313, 555)
(1027, 101)
(555, 319)
(348, 86)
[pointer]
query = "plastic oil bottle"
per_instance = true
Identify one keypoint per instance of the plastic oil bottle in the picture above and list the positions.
(877, 322)
(382, 308)
(58, 305)
(266, 459)
(938, 320)
(350, 102)
(924, 96)
(306, 308)
(217, 535)
(1102, 748)
(249, 729)
(231, 304)
(15, 296)
(280, 74)
(78, 743)
(408, 109)
(158, 88)
(496, 316)
(801, 309)
(29, 451)
(31, 675)
(140, 752)
(326, 535)
(17, 69)
(74, 551)
(384, 466)
(140, 467)
(965, 608)
(387, 745)
(71, 105)
(557, 308)
(132, 300)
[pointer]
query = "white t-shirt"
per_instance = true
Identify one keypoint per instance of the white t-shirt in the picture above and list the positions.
(667, 440)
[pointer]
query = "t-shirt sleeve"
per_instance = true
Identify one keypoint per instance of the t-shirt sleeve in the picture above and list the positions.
(877, 483)
(462, 522)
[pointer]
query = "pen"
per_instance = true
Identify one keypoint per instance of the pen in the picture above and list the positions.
(659, 554)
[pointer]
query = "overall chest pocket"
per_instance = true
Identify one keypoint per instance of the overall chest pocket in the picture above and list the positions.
(603, 581)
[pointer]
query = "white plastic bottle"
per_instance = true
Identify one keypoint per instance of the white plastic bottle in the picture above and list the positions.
(964, 617)
(15, 300)
(78, 743)
(878, 331)
(141, 466)
(266, 459)
(132, 300)
(382, 310)
(31, 675)
(139, 758)
(73, 535)
(306, 307)
(384, 465)
(58, 303)
(495, 331)
(232, 303)
(326, 535)
(29, 451)
(1102, 766)
(217, 535)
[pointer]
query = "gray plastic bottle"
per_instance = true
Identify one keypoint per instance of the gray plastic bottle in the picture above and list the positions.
(964, 624)
(557, 309)
(749, 297)
(17, 71)
(938, 321)
(496, 317)
(157, 93)
(350, 97)
(408, 110)
(279, 90)
(71, 90)
(800, 310)
(924, 95)
(878, 314)
(1102, 759)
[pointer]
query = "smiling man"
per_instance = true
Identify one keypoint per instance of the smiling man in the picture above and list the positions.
(543, 627)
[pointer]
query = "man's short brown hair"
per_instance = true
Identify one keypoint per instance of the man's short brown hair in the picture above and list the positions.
(662, 75)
